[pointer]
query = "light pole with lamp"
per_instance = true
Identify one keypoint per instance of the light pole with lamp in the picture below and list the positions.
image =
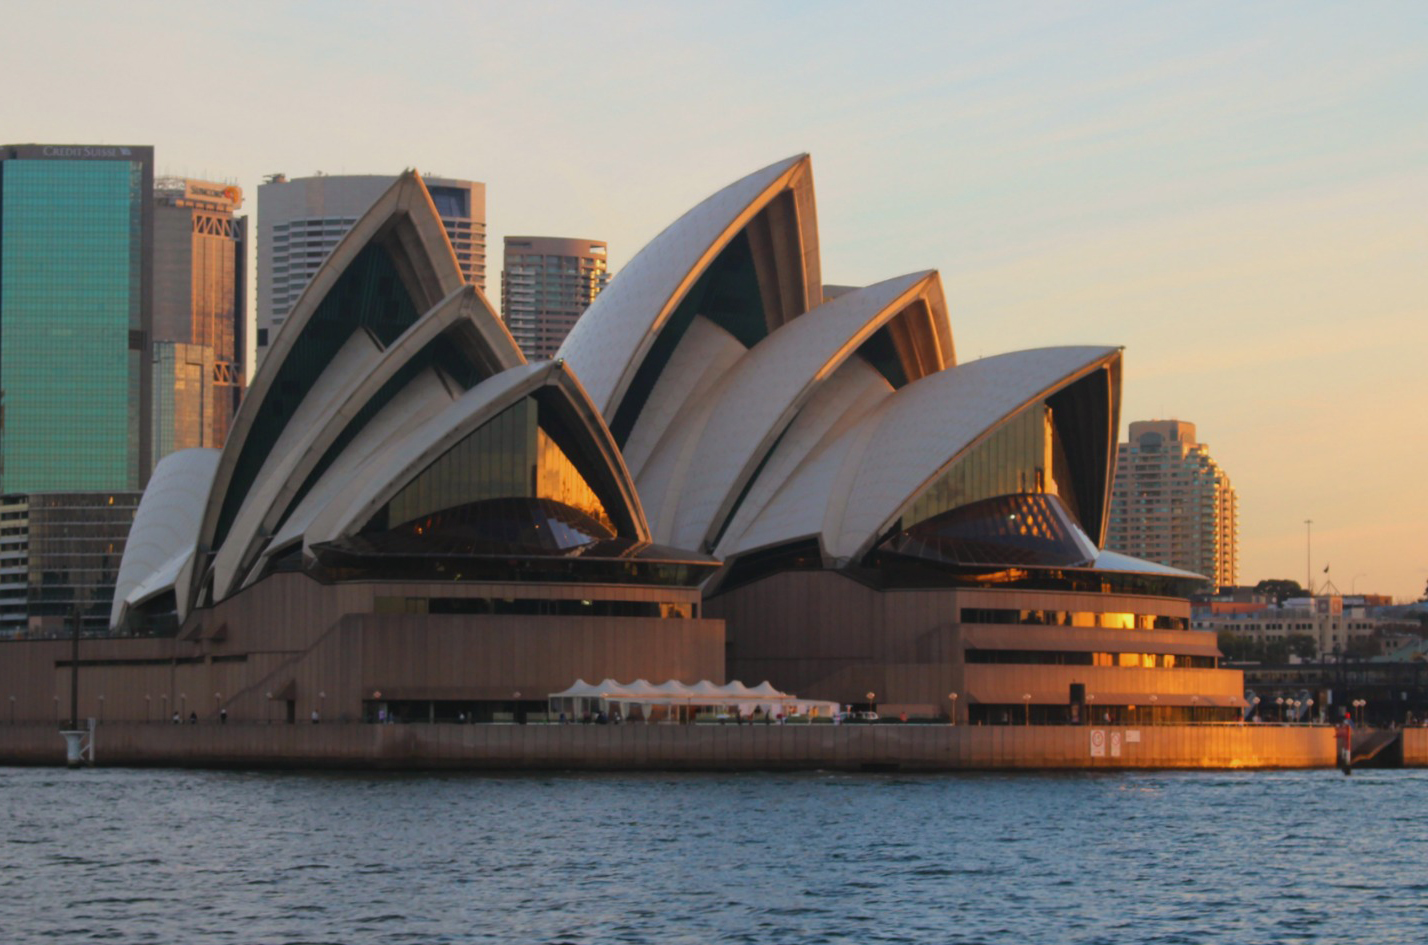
(1308, 710)
(322, 702)
(1359, 711)
(101, 707)
(1154, 702)
(950, 695)
(164, 706)
(1091, 708)
(872, 706)
(1279, 701)
(1026, 699)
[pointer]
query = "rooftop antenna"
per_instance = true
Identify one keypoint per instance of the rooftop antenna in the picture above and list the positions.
(1308, 545)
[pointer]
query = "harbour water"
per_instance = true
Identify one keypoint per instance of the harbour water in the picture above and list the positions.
(114, 855)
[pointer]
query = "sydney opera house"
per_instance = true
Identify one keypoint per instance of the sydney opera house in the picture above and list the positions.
(731, 471)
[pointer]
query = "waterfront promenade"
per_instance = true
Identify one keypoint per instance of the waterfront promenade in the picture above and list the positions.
(636, 747)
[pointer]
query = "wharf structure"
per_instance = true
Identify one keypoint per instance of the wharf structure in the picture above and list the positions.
(728, 471)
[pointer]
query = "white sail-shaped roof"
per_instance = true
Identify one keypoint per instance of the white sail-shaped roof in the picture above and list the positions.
(855, 487)
(356, 504)
(463, 321)
(165, 529)
(401, 239)
(762, 394)
(609, 343)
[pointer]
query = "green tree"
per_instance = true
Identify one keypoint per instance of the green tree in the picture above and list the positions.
(1365, 647)
(1237, 647)
(1302, 645)
(1280, 588)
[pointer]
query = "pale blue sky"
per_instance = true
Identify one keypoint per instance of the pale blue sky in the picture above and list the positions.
(1236, 192)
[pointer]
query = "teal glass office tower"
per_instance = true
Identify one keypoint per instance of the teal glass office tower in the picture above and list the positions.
(76, 250)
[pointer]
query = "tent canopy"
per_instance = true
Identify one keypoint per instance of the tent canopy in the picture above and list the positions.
(703, 693)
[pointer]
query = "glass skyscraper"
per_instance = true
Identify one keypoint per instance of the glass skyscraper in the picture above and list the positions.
(76, 244)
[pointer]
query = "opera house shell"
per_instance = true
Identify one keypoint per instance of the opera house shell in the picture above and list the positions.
(730, 471)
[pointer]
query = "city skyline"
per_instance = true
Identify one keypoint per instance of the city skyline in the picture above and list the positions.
(1236, 195)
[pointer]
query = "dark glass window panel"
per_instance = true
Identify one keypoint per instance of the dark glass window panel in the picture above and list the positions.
(882, 354)
(449, 201)
(1022, 530)
(512, 525)
(509, 457)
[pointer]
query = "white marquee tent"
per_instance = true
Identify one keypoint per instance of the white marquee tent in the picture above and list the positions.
(678, 698)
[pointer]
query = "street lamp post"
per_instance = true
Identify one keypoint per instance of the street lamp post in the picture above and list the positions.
(950, 695)
(1279, 701)
(101, 707)
(1026, 698)
(1154, 702)
(872, 704)
(1308, 708)
(164, 706)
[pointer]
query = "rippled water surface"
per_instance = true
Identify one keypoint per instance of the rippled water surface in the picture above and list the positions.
(196, 857)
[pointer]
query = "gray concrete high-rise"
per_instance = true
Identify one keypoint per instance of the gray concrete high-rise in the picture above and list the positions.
(301, 220)
(547, 282)
(1173, 504)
